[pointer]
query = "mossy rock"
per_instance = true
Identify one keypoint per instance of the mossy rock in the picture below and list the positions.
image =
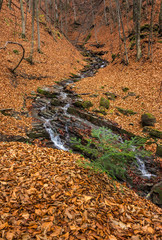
(147, 119)
(126, 112)
(159, 150)
(83, 104)
(100, 110)
(47, 92)
(55, 102)
(156, 194)
(110, 96)
(153, 132)
(104, 103)
(125, 89)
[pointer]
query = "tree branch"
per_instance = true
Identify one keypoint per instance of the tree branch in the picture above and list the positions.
(9, 42)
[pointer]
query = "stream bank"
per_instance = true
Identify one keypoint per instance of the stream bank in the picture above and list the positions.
(60, 115)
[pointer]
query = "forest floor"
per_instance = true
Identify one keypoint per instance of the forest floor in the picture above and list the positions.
(46, 193)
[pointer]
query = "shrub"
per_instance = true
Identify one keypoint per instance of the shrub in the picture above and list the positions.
(109, 151)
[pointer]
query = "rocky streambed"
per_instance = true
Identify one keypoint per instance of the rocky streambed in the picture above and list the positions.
(60, 115)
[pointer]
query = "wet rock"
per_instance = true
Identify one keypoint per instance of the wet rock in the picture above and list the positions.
(159, 150)
(147, 119)
(155, 194)
(104, 103)
(56, 102)
(126, 112)
(83, 104)
(38, 134)
(48, 91)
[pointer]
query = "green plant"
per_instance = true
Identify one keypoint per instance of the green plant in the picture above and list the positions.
(16, 51)
(110, 153)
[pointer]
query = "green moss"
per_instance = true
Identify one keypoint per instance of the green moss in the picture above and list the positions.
(83, 104)
(126, 111)
(16, 51)
(104, 103)
(113, 57)
(87, 38)
(46, 92)
(153, 132)
(125, 89)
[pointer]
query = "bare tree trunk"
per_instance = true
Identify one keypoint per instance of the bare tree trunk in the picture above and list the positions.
(137, 19)
(32, 40)
(29, 6)
(160, 20)
(1, 1)
(120, 19)
(47, 14)
(74, 10)
(151, 30)
(9, 3)
(22, 19)
(38, 30)
(106, 22)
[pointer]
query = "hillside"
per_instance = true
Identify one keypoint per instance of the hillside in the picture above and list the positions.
(47, 193)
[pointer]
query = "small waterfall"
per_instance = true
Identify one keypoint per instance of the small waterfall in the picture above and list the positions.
(142, 168)
(55, 138)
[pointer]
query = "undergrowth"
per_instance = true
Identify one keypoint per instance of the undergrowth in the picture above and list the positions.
(109, 153)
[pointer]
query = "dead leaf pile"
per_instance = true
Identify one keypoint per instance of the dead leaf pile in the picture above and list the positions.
(44, 194)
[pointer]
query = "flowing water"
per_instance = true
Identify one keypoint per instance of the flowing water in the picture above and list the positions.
(62, 125)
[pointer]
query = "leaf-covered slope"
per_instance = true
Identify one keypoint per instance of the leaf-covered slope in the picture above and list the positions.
(44, 194)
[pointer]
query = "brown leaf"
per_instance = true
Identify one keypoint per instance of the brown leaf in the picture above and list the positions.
(9, 235)
(56, 232)
(4, 225)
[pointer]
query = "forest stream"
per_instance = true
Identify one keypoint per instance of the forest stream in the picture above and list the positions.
(61, 115)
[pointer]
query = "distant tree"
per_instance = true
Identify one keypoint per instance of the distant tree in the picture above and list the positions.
(151, 30)
(74, 10)
(32, 39)
(38, 30)
(9, 3)
(1, 1)
(22, 19)
(137, 20)
(160, 19)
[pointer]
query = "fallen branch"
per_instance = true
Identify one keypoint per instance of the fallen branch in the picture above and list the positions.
(9, 42)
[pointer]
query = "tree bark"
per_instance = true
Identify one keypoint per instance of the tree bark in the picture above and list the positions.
(1, 1)
(32, 40)
(151, 30)
(22, 19)
(137, 20)
(160, 20)
(38, 30)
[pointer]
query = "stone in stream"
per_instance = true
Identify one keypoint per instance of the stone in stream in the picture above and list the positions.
(155, 194)
(147, 119)
(49, 92)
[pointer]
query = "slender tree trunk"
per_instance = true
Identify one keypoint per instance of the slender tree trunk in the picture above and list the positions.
(118, 17)
(38, 30)
(74, 10)
(1, 1)
(29, 6)
(106, 22)
(137, 19)
(151, 30)
(47, 13)
(9, 3)
(124, 37)
(160, 20)
(22, 19)
(32, 40)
